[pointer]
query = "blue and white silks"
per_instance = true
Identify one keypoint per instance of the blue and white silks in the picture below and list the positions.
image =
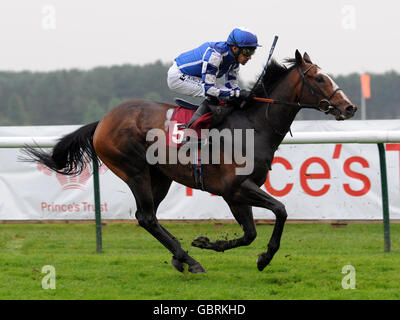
(210, 61)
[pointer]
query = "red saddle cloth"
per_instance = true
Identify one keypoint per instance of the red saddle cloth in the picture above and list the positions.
(182, 116)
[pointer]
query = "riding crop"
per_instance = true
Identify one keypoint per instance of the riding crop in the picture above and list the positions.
(271, 51)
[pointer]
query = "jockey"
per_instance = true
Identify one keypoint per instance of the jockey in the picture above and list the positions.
(194, 73)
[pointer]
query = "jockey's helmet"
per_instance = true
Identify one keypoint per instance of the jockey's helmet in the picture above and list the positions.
(242, 37)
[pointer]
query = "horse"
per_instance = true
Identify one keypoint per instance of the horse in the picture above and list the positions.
(119, 141)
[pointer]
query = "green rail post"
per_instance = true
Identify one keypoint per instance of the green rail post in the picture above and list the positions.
(96, 184)
(385, 197)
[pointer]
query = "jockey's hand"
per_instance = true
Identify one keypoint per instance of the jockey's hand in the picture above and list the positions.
(246, 95)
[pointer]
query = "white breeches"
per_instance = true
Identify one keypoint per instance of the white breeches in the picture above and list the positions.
(183, 83)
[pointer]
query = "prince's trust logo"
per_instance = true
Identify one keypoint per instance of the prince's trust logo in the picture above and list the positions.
(71, 182)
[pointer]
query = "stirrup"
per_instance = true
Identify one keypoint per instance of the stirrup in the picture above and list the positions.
(198, 142)
(182, 126)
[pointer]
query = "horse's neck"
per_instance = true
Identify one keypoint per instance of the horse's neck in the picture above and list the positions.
(279, 117)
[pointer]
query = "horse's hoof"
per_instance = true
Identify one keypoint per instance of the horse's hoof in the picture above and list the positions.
(180, 266)
(201, 242)
(197, 268)
(263, 260)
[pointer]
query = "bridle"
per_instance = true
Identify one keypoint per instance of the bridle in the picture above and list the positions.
(324, 105)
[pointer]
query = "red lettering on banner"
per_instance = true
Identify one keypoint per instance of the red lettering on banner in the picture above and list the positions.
(394, 147)
(287, 188)
(336, 153)
(72, 207)
(189, 192)
(304, 176)
(44, 205)
(356, 175)
(326, 174)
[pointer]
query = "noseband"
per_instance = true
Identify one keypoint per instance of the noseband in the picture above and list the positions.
(324, 105)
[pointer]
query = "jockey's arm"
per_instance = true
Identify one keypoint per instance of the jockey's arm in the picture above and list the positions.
(231, 80)
(210, 69)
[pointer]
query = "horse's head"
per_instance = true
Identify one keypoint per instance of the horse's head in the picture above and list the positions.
(318, 89)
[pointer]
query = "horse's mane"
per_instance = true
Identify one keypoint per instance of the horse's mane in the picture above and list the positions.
(275, 73)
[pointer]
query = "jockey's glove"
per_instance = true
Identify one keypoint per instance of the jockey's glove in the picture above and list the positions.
(246, 95)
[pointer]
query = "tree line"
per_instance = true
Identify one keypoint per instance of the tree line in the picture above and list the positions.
(78, 96)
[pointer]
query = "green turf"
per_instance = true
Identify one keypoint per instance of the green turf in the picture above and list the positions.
(135, 266)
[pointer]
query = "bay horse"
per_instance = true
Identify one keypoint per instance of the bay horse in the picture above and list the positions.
(119, 141)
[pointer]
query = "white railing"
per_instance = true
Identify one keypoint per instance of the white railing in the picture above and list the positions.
(371, 136)
(384, 136)
(20, 142)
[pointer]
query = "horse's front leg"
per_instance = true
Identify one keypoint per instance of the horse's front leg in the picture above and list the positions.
(244, 216)
(251, 194)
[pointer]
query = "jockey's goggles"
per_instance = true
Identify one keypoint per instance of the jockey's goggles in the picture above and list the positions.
(247, 51)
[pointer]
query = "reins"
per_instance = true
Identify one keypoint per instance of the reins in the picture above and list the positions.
(318, 106)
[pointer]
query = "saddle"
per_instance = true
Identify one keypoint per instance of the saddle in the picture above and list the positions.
(181, 115)
(218, 112)
(186, 104)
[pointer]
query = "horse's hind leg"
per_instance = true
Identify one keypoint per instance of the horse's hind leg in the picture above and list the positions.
(126, 160)
(244, 216)
(160, 185)
(140, 184)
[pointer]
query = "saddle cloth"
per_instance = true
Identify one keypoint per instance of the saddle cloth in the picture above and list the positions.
(182, 115)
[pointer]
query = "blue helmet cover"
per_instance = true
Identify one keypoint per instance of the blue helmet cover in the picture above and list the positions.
(242, 37)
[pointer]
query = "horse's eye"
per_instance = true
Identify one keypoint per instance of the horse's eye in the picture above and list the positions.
(319, 79)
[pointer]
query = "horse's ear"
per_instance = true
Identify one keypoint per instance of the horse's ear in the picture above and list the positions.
(299, 58)
(306, 57)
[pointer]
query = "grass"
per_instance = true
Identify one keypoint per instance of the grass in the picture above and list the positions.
(136, 266)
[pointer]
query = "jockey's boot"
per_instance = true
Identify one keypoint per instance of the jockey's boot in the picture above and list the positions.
(201, 110)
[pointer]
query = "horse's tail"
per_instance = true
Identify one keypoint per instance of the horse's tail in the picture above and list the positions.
(71, 153)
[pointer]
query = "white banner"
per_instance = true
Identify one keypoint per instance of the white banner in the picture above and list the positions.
(324, 181)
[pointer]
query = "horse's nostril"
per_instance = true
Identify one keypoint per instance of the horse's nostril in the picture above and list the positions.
(351, 109)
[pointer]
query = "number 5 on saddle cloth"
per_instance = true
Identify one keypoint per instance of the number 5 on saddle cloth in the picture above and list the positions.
(181, 115)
